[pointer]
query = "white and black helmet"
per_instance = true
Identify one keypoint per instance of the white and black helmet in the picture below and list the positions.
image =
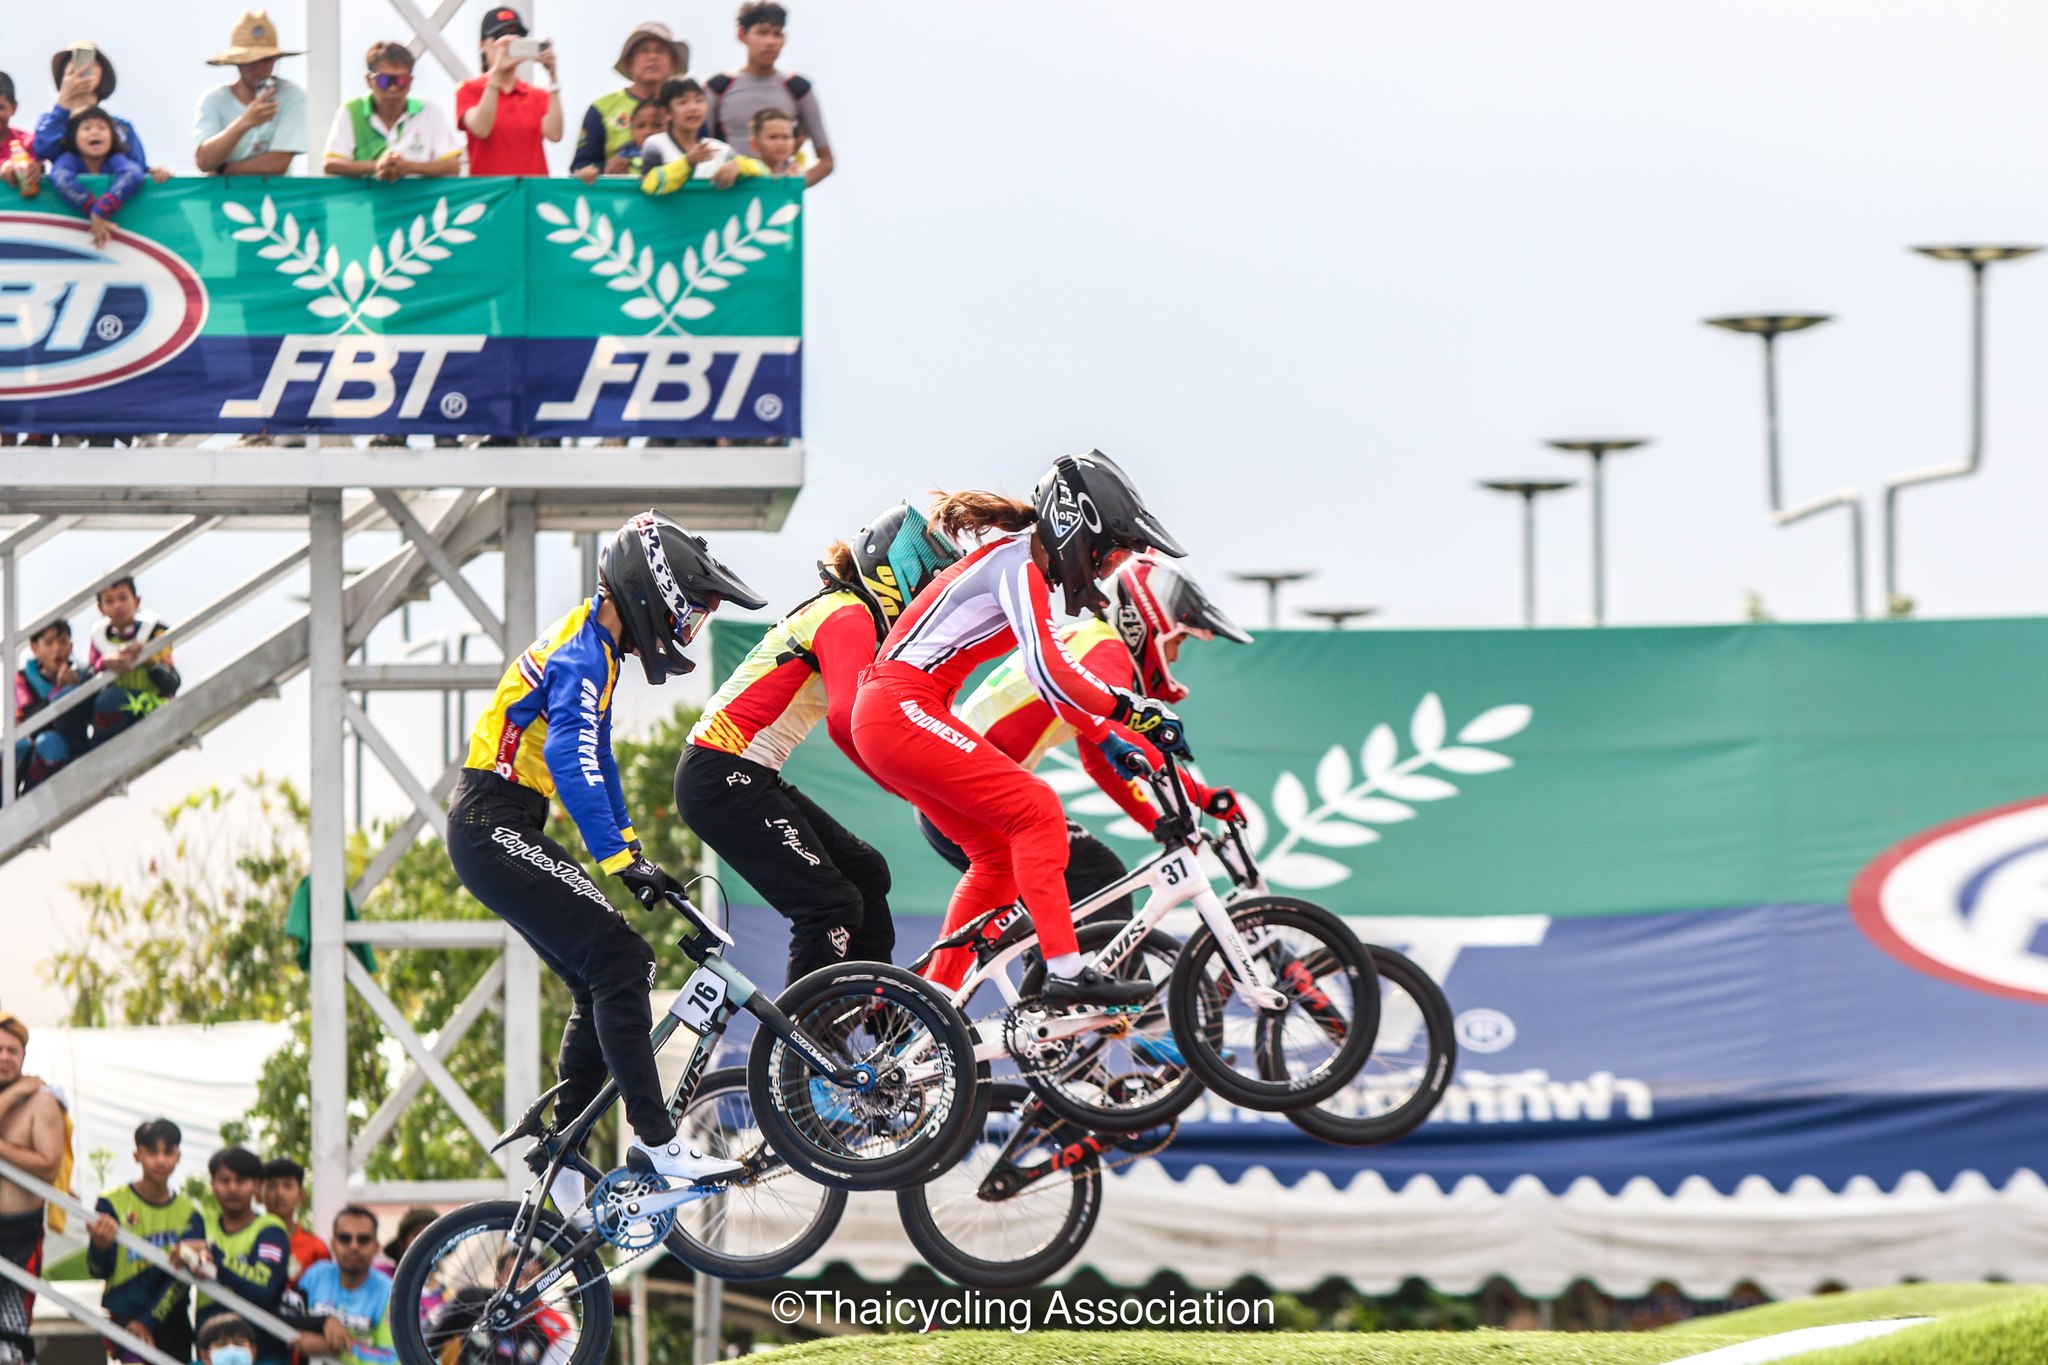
(1152, 604)
(664, 583)
(1088, 510)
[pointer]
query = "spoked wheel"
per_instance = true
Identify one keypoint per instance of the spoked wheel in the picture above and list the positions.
(769, 1219)
(898, 1125)
(1129, 1074)
(1020, 1204)
(1412, 1062)
(1301, 1053)
(449, 1297)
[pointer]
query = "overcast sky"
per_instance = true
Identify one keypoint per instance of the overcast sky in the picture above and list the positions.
(1309, 271)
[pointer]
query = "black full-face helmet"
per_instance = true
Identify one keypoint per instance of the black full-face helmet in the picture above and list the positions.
(1152, 604)
(665, 584)
(1090, 518)
(896, 554)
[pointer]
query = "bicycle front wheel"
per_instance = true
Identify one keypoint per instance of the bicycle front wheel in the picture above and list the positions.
(1412, 1062)
(767, 1220)
(447, 1296)
(903, 1124)
(1017, 1208)
(1312, 1045)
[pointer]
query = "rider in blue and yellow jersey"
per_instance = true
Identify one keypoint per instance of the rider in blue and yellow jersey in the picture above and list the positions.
(547, 732)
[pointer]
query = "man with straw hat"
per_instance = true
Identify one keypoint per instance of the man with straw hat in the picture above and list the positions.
(31, 1137)
(256, 125)
(650, 58)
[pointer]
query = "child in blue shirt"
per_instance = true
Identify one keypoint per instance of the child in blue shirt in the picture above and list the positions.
(94, 146)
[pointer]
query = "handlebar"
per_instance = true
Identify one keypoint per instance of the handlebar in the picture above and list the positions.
(1180, 822)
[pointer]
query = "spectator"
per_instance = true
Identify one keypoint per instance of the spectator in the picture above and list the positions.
(416, 1220)
(84, 77)
(650, 120)
(649, 60)
(736, 96)
(284, 1188)
(116, 647)
(226, 1340)
(147, 1301)
(32, 1137)
(250, 1251)
(352, 1297)
(772, 137)
(92, 146)
(683, 152)
(385, 133)
(503, 117)
(19, 164)
(45, 677)
(256, 124)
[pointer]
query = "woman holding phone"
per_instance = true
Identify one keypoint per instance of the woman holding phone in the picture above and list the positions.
(84, 77)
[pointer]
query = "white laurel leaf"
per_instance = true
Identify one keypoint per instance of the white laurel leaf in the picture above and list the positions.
(413, 267)
(567, 234)
(1464, 760)
(1381, 749)
(668, 282)
(237, 213)
(587, 253)
(607, 268)
(786, 214)
(1426, 730)
(294, 266)
(691, 266)
(352, 281)
(275, 251)
(290, 231)
(428, 251)
(625, 284)
(397, 252)
(250, 234)
(626, 243)
(459, 236)
(376, 261)
(469, 215)
(583, 213)
(327, 306)
(417, 233)
(378, 307)
(440, 214)
(772, 236)
(732, 231)
(710, 245)
(1498, 723)
(312, 244)
(332, 265)
(1094, 803)
(396, 280)
(754, 216)
(742, 252)
(1290, 800)
(268, 214)
(692, 309)
(1416, 787)
(316, 280)
(1333, 774)
(729, 267)
(646, 262)
(1375, 810)
(549, 213)
(642, 308)
(711, 284)
(1304, 871)
(604, 231)
(1338, 834)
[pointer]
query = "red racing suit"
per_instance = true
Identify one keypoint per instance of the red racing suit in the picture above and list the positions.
(1010, 824)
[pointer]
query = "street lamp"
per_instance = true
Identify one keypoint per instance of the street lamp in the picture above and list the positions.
(1338, 616)
(1273, 578)
(1599, 447)
(1529, 490)
(1771, 326)
(1977, 258)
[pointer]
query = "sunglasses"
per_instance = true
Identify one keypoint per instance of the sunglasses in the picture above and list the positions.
(384, 80)
(355, 1239)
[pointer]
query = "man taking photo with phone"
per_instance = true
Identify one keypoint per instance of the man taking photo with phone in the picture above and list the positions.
(257, 124)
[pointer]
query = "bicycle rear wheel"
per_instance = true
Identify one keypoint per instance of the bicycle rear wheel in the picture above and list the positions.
(1413, 1059)
(767, 1220)
(897, 1129)
(446, 1293)
(1017, 1208)
(1300, 1054)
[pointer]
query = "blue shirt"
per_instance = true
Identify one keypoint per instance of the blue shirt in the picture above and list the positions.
(365, 1310)
(50, 129)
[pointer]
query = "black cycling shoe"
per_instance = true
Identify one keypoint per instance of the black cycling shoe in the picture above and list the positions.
(1091, 987)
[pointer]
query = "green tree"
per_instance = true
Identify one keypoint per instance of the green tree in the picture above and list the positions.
(201, 940)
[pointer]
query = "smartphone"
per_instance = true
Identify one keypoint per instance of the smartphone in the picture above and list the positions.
(267, 88)
(84, 57)
(528, 49)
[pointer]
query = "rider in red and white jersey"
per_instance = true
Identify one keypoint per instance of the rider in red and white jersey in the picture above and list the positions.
(1087, 518)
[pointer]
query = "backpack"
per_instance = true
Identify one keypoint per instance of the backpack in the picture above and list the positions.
(797, 86)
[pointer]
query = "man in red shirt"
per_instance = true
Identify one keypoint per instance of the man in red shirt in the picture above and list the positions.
(504, 117)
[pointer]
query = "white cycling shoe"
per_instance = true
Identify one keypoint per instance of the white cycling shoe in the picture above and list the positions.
(677, 1162)
(571, 1193)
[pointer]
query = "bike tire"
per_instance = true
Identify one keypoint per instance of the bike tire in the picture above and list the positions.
(1197, 1005)
(1334, 1120)
(927, 1110)
(444, 1251)
(935, 1227)
(1182, 1089)
(778, 1230)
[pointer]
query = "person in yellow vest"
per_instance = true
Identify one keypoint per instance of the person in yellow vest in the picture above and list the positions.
(650, 59)
(388, 133)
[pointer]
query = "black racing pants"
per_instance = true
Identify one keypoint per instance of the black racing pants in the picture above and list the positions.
(829, 883)
(1091, 865)
(528, 880)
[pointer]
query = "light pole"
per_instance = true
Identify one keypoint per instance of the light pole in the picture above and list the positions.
(1771, 326)
(1599, 447)
(1273, 578)
(1338, 616)
(1528, 490)
(1978, 258)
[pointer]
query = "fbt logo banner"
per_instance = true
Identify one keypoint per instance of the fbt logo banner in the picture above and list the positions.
(479, 307)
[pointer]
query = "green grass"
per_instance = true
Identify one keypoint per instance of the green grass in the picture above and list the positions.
(1863, 1305)
(1251, 1348)
(2010, 1333)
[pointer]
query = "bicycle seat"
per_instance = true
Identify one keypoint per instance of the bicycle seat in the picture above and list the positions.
(967, 933)
(530, 1124)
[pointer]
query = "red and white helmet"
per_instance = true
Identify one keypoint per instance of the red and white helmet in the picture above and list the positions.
(1151, 604)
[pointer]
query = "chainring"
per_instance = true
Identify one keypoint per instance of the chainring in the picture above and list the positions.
(616, 1208)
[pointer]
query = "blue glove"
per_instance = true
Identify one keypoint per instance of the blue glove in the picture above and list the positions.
(1152, 720)
(1125, 756)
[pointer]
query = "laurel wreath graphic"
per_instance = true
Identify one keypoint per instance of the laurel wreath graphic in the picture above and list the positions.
(667, 296)
(1345, 812)
(354, 291)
